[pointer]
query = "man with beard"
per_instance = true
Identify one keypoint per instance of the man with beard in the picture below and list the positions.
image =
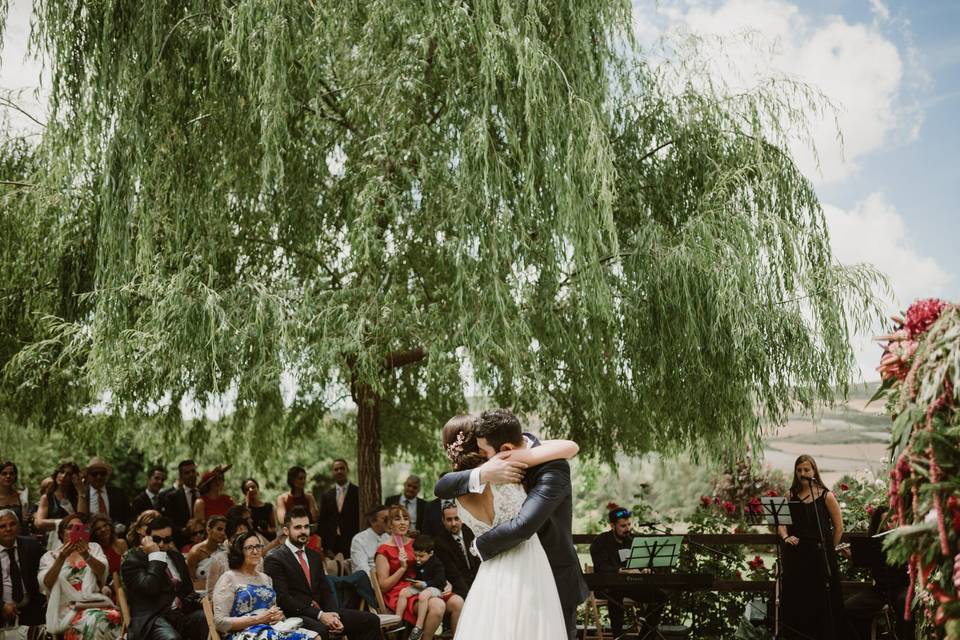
(302, 589)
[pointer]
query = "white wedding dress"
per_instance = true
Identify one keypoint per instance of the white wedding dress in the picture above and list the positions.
(514, 596)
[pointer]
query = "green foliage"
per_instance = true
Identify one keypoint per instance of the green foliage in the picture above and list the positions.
(858, 497)
(275, 206)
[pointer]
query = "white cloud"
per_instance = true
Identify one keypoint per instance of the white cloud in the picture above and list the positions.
(880, 10)
(874, 232)
(854, 65)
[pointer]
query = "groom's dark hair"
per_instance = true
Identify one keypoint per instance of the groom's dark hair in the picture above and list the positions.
(498, 427)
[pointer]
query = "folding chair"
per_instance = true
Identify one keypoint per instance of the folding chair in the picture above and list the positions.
(390, 623)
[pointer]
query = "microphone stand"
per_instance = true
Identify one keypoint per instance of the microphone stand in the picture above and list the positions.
(828, 572)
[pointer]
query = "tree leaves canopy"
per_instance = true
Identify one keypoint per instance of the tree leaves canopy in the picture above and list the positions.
(280, 201)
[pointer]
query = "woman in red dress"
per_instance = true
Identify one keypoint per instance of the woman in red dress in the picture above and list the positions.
(394, 567)
(212, 501)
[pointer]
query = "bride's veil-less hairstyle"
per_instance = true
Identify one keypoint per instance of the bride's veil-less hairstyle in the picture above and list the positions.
(460, 444)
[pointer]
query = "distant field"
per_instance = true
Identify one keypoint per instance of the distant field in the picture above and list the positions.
(847, 438)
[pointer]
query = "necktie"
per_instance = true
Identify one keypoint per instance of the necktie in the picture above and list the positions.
(176, 587)
(340, 495)
(303, 565)
(102, 499)
(463, 548)
(15, 576)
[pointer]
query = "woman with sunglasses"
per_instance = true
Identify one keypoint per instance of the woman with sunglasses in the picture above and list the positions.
(244, 600)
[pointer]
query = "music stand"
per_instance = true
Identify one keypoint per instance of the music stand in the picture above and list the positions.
(651, 552)
(775, 511)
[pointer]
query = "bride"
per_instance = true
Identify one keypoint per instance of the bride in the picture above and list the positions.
(518, 584)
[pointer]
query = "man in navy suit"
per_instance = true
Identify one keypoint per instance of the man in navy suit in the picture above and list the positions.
(301, 585)
(19, 565)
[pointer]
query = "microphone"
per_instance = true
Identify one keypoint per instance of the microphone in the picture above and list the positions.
(646, 524)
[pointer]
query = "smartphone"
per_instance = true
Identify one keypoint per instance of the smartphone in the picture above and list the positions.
(78, 532)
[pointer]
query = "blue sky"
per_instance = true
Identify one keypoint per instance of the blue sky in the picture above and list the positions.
(891, 67)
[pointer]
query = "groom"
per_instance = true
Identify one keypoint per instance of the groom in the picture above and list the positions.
(548, 509)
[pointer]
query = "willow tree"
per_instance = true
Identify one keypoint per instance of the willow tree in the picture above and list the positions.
(296, 201)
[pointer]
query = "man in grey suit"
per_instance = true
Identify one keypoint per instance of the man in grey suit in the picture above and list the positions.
(547, 511)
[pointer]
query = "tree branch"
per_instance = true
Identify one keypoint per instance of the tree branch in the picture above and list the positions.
(399, 359)
(17, 184)
(7, 102)
(650, 153)
(599, 263)
(334, 277)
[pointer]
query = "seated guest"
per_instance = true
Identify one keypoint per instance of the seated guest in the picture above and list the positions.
(363, 547)
(60, 500)
(199, 557)
(428, 582)
(139, 528)
(297, 496)
(177, 503)
(213, 501)
(302, 590)
(103, 533)
(453, 550)
(19, 565)
(219, 560)
(149, 498)
(340, 511)
(96, 496)
(10, 496)
(890, 584)
(163, 604)
(71, 577)
(605, 552)
(261, 513)
(394, 570)
(196, 532)
(244, 601)
(241, 512)
(410, 500)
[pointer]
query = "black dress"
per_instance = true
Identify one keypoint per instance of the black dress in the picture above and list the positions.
(812, 602)
(262, 518)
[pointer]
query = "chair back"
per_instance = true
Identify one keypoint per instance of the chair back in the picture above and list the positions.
(592, 606)
(212, 633)
(381, 605)
(122, 602)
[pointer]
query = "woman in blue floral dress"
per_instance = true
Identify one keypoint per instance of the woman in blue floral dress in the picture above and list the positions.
(244, 601)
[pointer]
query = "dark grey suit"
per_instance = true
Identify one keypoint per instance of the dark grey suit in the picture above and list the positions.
(547, 511)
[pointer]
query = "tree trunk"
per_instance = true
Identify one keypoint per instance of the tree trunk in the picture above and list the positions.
(368, 446)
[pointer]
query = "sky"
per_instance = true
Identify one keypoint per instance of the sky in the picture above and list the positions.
(892, 70)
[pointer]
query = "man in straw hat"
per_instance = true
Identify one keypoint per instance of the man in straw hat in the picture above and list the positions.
(96, 497)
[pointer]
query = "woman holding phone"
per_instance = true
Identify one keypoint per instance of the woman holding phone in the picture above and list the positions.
(71, 578)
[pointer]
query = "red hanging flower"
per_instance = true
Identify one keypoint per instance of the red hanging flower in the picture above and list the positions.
(729, 507)
(754, 506)
(705, 501)
(756, 563)
(922, 314)
(844, 486)
(771, 493)
(870, 509)
(612, 505)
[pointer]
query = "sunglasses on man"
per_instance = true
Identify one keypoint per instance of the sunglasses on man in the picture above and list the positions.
(162, 540)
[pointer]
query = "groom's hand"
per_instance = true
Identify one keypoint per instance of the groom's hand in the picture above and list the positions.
(500, 471)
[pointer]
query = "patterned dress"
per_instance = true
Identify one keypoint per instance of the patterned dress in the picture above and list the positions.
(252, 595)
(69, 611)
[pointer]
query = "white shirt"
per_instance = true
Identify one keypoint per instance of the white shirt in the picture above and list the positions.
(7, 580)
(296, 551)
(163, 556)
(94, 501)
(411, 506)
(363, 548)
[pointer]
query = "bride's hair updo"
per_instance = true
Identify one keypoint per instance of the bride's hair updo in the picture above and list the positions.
(460, 444)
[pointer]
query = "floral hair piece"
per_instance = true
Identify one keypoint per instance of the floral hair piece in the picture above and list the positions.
(455, 448)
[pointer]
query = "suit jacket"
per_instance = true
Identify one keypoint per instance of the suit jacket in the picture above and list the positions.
(151, 592)
(29, 552)
(173, 504)
(547, 511)
(347, 521)
(141, 502)
(421, 509)
(460, 572)
(119, 510)
(605, 552)
(433, 518)
(294, 595)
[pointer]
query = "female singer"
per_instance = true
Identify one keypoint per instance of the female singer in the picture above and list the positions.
(812, 601)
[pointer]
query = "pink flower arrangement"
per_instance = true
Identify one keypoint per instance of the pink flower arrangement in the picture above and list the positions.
(922, 314)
